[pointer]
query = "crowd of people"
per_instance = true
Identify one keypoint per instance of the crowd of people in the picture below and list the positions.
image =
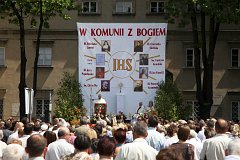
(101, 138)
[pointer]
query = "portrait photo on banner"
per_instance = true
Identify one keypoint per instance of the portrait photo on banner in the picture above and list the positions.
(138, 46)
(138, 85)
(100, 59)
(143, 72)
(100, 72)
(143, 59)
(106, 45)
(105, 85)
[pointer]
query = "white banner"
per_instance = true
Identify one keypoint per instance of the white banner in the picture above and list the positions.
(29, 93)
(126, 59)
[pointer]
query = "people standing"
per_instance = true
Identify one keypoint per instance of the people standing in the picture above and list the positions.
(182, 146)
(154, 138)
(106, 147)
(60, 147)
(141, 108)
(82, 145)
(139, 148)
(214, 148)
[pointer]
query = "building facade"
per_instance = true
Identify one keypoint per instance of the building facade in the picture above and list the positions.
(59, 53)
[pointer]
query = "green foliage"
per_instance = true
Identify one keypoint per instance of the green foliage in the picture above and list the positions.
(21, 12)
(52, 8)
(69, 104)
(169, 102)
(31, 9)
(206, 17)
(16, 9)
(225, 11)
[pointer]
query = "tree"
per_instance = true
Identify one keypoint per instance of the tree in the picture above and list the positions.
(17, 12)
(69, 104)
(215, 13)
(45, 10)
(169, 102)
(20, 10)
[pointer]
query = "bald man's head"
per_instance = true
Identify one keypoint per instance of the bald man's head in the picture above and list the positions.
(63, 133)
(35, 145)
(221, 126)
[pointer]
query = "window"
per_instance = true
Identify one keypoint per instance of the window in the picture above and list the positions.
(194, 106)
(42, 109)
(235, 110)
(123, 7)
(197, 8)
(42, 104)
(157, 7)
(89, 7)
(2, 56)
(189, 57)
(45, 56)
(235, 58)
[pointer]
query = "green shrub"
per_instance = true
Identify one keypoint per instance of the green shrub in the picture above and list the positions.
(169, 102)
(69, 104)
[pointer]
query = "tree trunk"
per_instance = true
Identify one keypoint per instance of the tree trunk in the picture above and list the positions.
(204, 92)
(22, 83)
(197, 58)
(208, 69)
(35, 72)
(205, 106)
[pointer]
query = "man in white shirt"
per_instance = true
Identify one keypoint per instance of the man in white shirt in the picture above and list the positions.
(210, 124)
(84, 127)
(19, 126)
(139, 148)
(172, 133)
(200, 134)
(233, 151)
(35, 147)
(154, 138)
(102, 108)
(100, 100)
(60, 147)
(55, 124)
(141, 108)
(196, 143)
(214, 148)
(28, 129)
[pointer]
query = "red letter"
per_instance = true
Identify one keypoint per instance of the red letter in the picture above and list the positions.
(93, 32)
(129, 31)
(82, 31)
(139, 32)
(162, 31)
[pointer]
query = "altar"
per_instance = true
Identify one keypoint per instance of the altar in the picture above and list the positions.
(100, 108)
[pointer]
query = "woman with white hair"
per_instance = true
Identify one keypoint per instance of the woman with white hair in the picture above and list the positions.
(3, 145)
(233, 151)
(13, 152)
